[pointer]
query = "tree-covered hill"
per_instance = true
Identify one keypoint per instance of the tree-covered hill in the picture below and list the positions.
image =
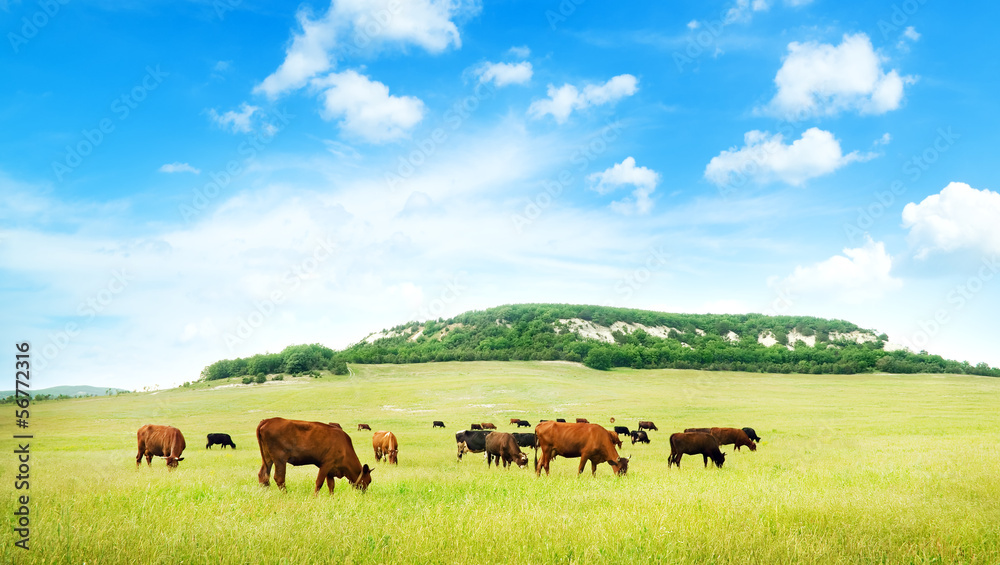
(604, 337)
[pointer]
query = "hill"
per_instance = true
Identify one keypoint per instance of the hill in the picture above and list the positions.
(604, 337)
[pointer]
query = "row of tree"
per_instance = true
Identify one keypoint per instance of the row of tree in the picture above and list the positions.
(536, 332)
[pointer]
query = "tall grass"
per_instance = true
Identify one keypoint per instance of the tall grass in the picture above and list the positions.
(852, 469)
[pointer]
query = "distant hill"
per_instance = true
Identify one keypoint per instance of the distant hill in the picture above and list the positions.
(604, 337)
(78, 390)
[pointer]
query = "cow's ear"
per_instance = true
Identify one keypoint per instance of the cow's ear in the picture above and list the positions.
(367, 469)
(180, 459)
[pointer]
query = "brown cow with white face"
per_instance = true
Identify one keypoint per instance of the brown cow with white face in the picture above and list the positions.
(589, 442)
(503, 447)
(161, 441)
(385, 445)
(296, 442)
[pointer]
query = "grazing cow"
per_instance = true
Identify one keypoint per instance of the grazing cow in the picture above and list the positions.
(614, 438)
(523, 424)
(639, 436)
(476, 427)
(734, 436)
(488, 426)
(437, 424)
(582, 421)
(161, 441)
(385, 445)
(589, 442)
(622, 430)
(220, 439)
(296, 442)
(514, 421)
(648, 426)
(471, 441)
(503, 447)
(336, 425)
(364, 427)
(561, 420)
(524, 439)
(751, 434)
(695, 443)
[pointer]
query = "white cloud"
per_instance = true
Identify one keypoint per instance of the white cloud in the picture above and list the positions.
(693, 24)
(237, 122)
(563, 100)
(743, 9)
(823, 80)
(179, 168)
(366, 108)
(627, 174)
(859, 275)
(959, 217)
(911, 33)
(884, 140)
(765, 158)
(352, 25)
(503, 74)
(520, 51)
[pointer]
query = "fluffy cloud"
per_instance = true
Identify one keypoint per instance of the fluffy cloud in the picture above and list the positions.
(351, 25)
(563, 100)
(366, 108)
(765, 158)
(819, 79)
(859, 275)
(237, 122)
(520, 51)
(743, 9)
(503, 74)
(179, 168)
(627, 174)
(959, 217)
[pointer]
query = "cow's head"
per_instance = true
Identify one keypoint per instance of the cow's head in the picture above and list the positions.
(521, 460)
(393, 455)
(753, 446)
(172, 461)
(621, 467)
(364, 479)
(719, 460)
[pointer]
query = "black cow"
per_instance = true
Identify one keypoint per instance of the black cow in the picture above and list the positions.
(523, 424)
(471, 441)
(220, 439)
(751, 434)
(563, 420)
(438, 424)
(639, 436)
(524, 439)
(622, 430)
(476, 427)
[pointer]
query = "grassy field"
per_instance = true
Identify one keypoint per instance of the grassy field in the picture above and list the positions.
(852, 469)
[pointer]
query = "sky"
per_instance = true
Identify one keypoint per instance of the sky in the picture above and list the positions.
(183, 182)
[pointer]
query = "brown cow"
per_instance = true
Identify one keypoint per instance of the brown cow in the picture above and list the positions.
(734, 436)
(297, 442)
(614, 438)
(385, 445)
(364, 427)
(161, 441)
(488, 426)
(695, 443)
(476, 427)
(727, 436)
(589, 442)
(514, 421)
(503, 447)
(647, 425)
(582, 421)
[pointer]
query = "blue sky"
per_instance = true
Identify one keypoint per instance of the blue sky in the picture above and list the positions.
(185, 182)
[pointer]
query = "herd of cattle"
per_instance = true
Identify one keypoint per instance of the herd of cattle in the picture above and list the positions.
(285, 442)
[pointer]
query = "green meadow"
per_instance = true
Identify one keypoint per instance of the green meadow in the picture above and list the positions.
(852, 469)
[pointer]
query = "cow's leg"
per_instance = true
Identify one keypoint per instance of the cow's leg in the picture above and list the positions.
(279, 474)
(329, 482)
(138, 458)
(323, 475)
(149, 458)
(705, 457)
